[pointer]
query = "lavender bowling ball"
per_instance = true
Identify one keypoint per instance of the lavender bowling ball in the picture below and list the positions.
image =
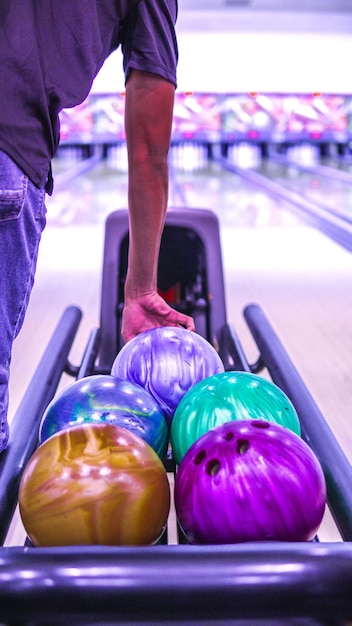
(167, 362)
(249, 480)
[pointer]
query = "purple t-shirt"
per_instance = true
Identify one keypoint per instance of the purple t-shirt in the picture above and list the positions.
(50, 53)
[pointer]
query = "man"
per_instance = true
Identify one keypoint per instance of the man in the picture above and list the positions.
(50, 53)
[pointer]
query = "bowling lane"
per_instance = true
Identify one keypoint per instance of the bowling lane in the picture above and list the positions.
(236, 202)
(341, 164)
(298, 275)
(88, 199)
(312, 156)
(327, 192)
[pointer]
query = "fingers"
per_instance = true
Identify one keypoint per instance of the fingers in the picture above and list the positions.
(151, 312)
(190, 324)
(186, 322)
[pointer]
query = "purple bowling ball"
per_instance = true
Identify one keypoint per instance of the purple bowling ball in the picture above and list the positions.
(249, 480)
(167, 362)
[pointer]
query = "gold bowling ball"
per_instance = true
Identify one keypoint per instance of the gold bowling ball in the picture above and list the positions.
(94, 484)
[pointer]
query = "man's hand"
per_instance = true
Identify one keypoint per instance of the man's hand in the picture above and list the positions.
(150, 311)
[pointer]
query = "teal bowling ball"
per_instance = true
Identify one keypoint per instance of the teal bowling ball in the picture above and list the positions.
(226, 397)
(107, 399)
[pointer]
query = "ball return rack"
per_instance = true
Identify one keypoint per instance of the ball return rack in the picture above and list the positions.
(264, 583)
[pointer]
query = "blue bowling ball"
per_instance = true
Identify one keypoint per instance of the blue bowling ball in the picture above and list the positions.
(107, 399)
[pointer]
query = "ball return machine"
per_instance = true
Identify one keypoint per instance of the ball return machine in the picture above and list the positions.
(273, 583)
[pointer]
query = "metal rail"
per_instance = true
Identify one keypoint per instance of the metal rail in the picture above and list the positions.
(315, 429)
(177, 584)
(25, 423)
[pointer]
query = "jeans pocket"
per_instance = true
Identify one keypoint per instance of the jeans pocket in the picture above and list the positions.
(13, 187)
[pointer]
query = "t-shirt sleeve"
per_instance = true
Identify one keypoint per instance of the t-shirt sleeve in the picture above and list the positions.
(148, 39)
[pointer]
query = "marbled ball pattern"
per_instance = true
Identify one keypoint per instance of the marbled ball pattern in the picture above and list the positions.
(249, 481)
(94, 484)
(226, 397)
(107, 399)
(167, 362)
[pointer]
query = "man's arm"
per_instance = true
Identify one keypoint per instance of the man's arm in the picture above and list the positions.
(148, 121)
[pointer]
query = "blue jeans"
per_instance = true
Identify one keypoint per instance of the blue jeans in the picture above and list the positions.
(22, 220)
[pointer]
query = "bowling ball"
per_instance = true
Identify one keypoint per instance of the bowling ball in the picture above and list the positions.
(225, 397)
(167, 362)
(107, 399)
(249, 480)
(94, 484)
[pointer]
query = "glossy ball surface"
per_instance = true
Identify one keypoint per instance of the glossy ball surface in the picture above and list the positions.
(226, 397)
(249, 481)
(167, 362)
(107, 399)
(94, 484)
